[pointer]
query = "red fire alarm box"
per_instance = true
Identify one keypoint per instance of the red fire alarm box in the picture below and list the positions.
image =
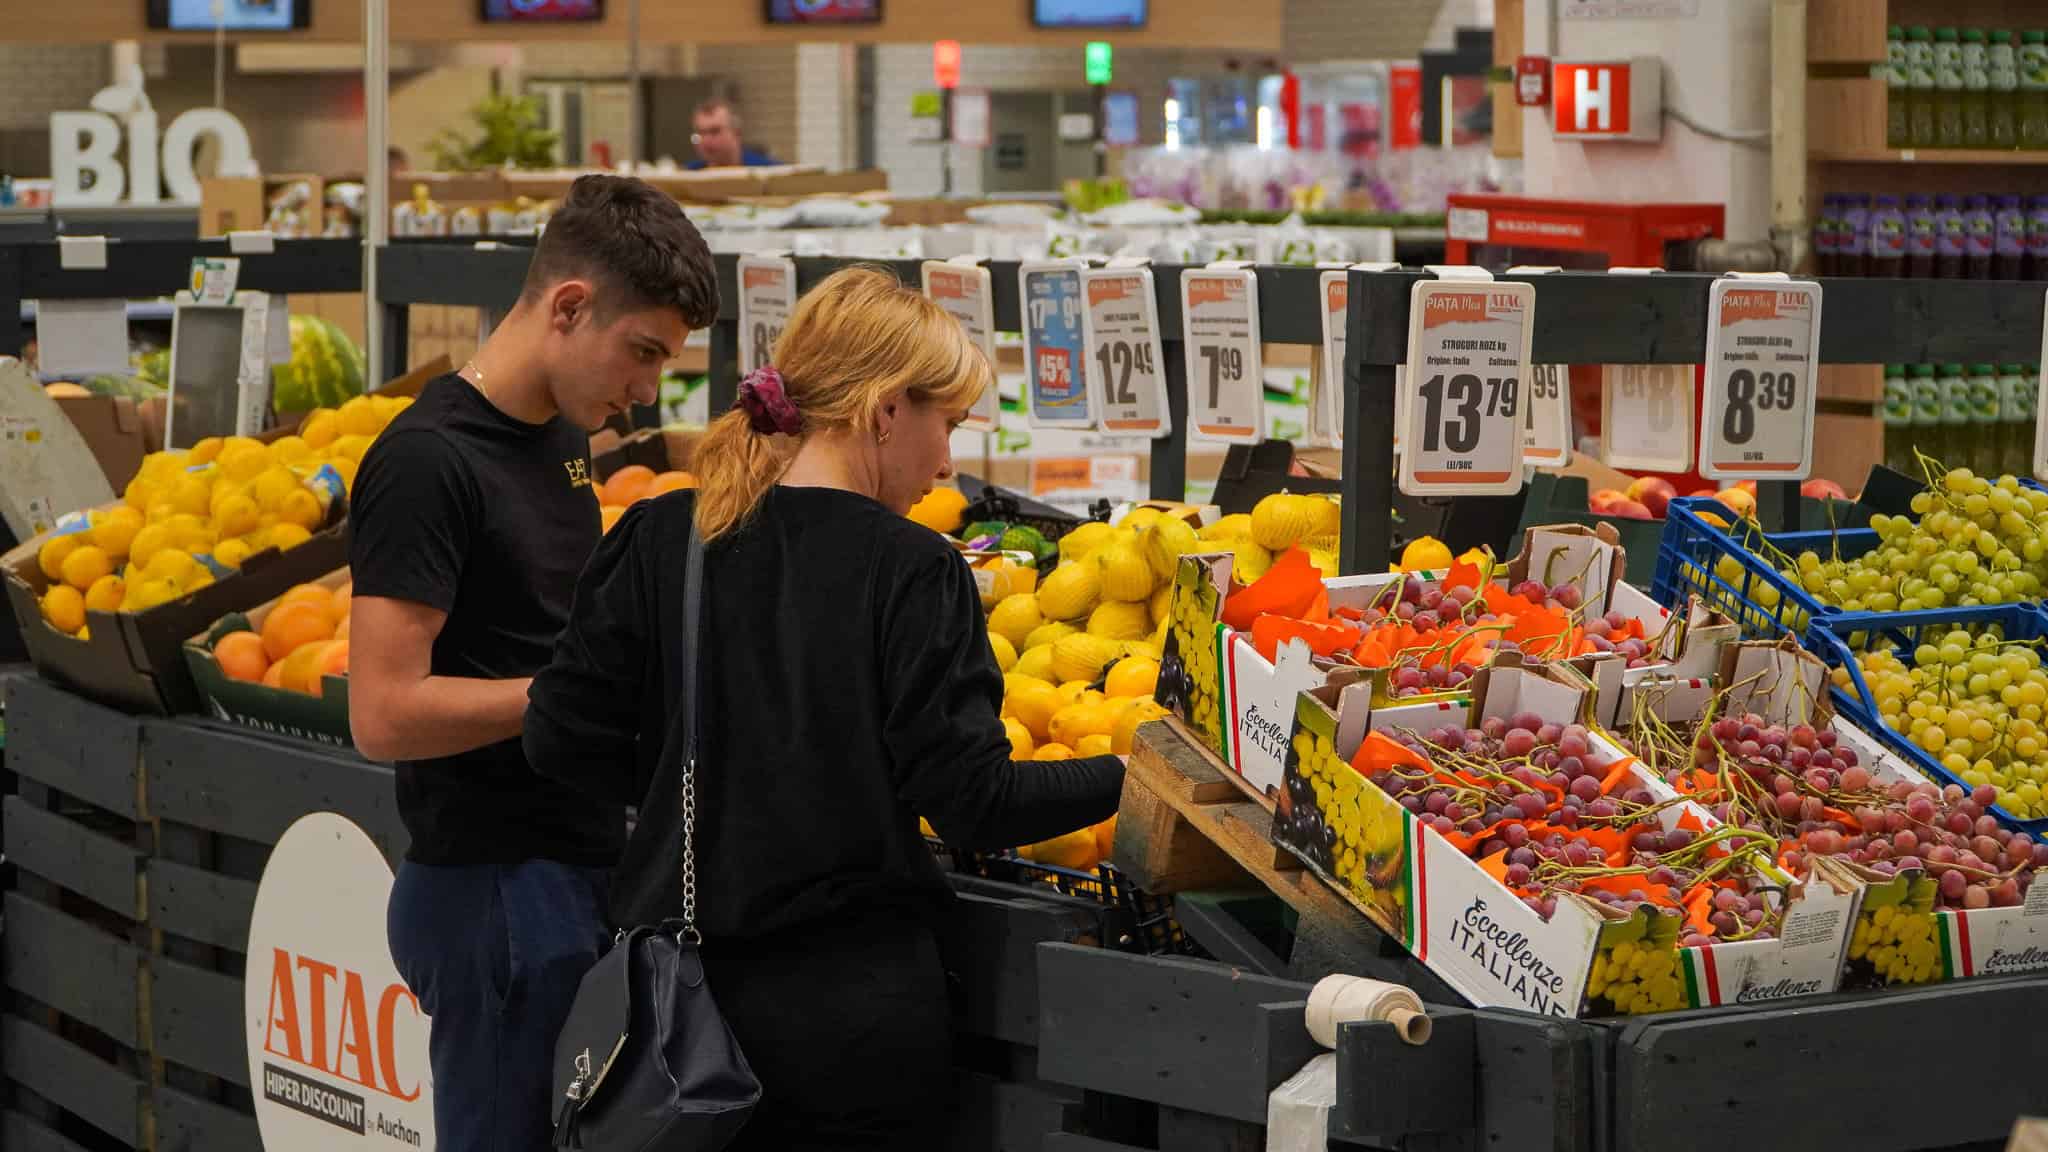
(1498, 232)
(1532, 81)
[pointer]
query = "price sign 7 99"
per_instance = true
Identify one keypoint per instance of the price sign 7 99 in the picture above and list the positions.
(1468, 354)
(1763, 341)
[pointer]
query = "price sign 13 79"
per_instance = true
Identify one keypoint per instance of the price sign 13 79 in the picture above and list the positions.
(1468, 356)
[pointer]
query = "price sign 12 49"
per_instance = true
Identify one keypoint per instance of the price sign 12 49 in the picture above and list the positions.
(1121, 326)
(1763, 341)
(767, 297)
(1468, 358)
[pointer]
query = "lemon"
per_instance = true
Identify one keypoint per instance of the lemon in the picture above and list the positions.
(1125, 730)
(321, 428)
(290, 450)
(243, 461)
(1021, 744)
(1006, 654)
(273, 486)
(172, 566)
(206, 451)
(1079, 720)
(1035, 663)
(231, 553)
(1033, 702)
(1132, 676)
(237, 515)
(1075, 850)
(191, 533)
(193, 493)
(115, 533)
(1427, 554)
(85, 565)
(149, 594)
(152, 539)
(1014, 617)
(1094, 744)
(388, 407)
(286, 537)
(139, 494)
(302, 508)
(1053, 752)
(160, 512)
(51, 556)
(106, 594)
(64, 608)
(348, 448)
(358, 417)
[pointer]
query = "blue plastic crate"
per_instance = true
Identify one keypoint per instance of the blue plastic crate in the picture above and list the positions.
(1837, 638)
(1759, 598)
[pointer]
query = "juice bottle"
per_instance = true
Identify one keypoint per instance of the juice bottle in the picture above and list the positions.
(2037, 238)
(1980, 232)
(1986, 451)
(1898, 420)
(1951, 239)
(2016, 419)
(1888, 239)
(2005, 91)
(1948, 85)
(1976, 101)
(1852, 237)
(1826, 241)
(2009, 249)
(1898, 119)
(1955, 416)
(1920, 86)
(2033, 58)
(1922, 237)
(1927, 416)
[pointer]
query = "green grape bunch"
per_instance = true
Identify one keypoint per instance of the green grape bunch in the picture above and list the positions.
(1632, 978)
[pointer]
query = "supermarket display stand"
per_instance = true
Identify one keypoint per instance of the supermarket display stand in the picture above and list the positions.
(1602, 318)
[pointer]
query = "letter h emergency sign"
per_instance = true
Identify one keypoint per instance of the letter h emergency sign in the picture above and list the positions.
(1608, 99)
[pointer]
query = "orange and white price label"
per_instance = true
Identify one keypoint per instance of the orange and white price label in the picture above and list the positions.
(1226, 372)
(1468, 358)
(1120, 326)
(767, 297)
(1763, 344)
(962, 290)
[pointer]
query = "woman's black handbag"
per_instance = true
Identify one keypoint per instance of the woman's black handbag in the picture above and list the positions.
(646, 1062)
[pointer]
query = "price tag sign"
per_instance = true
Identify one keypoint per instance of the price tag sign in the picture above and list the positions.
(962, 290)
(1646, 417)
(1226, 375)
(1763, 341)
(1547, 434)
(1055, 355)
(213, 279)
(1468, 357)
(1326, 414)
(1121, 327)
(767, 297)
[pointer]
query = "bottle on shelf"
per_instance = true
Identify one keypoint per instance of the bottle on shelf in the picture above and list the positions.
(1826, 242)
(1985, 452)
(1976, 98)
(1898, 419)
(1920, 90)
(1888, 238)
(2009, 248)
(2037, 238)
(1980, 232)
(1852, 237)
(1927, 415)
(2004, 110)
(2016, 419)
(1951, 239)
(1954, 438)
(1898, 119)
(2033, 58)
(1923, 236)
(1948, 86)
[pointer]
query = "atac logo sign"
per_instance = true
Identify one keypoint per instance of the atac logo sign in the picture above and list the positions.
(337, 1043)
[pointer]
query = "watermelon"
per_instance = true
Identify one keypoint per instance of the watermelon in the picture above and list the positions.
(326, 368)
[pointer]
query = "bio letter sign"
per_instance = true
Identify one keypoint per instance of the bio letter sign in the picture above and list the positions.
(1226, 374)
(1468, 355)
(337, 1043)
(962, 290)
(1055, 356)
(1122, 333)
(82, 142)
(767, 297)
(1763, 340)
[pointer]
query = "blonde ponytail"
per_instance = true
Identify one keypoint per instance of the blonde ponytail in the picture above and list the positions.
(855, 341)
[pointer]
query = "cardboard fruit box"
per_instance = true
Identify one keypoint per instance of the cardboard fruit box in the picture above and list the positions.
(135, 660)
(1586, 959)
(321, 719)
(1241, 704)
(1788, 685)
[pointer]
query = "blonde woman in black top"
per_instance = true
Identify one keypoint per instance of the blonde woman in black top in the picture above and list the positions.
(849, 689)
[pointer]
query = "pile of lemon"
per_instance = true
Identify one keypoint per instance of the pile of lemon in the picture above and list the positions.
(193, 515)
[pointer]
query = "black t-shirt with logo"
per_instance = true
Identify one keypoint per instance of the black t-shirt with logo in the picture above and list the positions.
(490, 519)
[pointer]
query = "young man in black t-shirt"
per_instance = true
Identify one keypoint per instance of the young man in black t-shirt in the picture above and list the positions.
(471, 518)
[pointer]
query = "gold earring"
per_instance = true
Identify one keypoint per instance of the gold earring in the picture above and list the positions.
(881, 437)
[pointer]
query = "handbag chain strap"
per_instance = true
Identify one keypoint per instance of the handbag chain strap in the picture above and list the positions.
(693, 613)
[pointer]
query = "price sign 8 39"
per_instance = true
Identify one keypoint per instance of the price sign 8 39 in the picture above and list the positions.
(1468, 359)
(1763, 342)
(767, 297)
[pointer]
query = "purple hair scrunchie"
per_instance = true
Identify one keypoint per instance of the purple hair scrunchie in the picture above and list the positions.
(767, 405)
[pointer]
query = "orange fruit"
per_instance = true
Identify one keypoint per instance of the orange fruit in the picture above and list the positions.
(274, 678)
(302, 668)
(344, 599)
(1053, 752)
(241, 657)
(341, 629)
(608, 515)
(333, 662)
(309, 594)
(670, 482)
(627, 485)
(1105, 837)
(1132, 676)
(292, 626)
(1074, 850)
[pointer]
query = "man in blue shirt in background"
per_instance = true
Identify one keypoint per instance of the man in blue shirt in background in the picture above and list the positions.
(715, 131)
